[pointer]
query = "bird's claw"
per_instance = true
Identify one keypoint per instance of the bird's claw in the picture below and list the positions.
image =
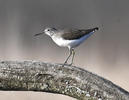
(67, 64)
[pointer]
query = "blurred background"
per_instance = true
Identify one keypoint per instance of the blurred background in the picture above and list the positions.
(105, 53)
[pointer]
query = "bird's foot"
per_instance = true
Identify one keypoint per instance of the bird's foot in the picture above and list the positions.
(67, 64)
(64, 64)
(70, 64)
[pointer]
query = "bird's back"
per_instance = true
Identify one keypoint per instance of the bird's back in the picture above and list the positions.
(73, 34)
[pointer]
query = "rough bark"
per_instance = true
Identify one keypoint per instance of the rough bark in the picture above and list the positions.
(53, 78)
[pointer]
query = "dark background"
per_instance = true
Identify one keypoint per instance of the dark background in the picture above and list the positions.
(105, 53)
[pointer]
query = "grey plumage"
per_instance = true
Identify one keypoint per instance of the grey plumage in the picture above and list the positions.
(76, 34)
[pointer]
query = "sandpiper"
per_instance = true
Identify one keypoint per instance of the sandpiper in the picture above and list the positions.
(70, 38)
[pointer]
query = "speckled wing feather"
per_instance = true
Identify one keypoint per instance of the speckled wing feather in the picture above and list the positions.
(76, 34)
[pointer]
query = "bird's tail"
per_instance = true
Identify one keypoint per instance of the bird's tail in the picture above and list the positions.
(95, 29)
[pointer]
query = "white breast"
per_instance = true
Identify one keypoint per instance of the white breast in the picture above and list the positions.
(61, 42)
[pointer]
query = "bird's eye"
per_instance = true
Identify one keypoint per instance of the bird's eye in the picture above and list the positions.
(48, 30)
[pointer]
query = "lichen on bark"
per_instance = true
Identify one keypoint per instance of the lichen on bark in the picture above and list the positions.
(54, 78)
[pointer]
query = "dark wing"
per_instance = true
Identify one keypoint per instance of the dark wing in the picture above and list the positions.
(76, 34)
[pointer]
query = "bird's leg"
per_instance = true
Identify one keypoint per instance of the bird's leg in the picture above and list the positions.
(70, 53)
(73, 53)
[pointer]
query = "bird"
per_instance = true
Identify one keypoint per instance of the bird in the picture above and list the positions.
(70, 38)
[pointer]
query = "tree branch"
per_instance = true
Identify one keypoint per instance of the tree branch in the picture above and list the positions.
(53, 78)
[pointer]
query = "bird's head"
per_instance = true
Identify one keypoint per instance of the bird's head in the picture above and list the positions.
(47, 31)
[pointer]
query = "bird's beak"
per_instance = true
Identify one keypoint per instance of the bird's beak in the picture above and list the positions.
(39, 34)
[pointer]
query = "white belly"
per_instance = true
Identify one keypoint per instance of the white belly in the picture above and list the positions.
(70, 43)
